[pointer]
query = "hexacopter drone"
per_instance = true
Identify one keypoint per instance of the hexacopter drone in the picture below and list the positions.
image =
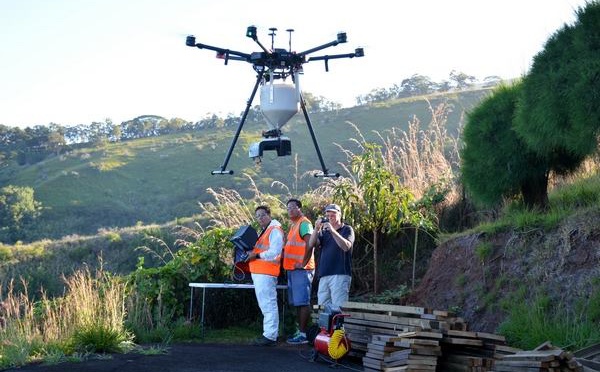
(278, 102)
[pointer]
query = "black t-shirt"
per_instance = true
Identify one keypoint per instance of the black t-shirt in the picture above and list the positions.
(334, 260)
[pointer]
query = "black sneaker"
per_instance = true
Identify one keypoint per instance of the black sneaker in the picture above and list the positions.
(263, 341)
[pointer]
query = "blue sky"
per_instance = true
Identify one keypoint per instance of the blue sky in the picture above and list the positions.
(78, 61)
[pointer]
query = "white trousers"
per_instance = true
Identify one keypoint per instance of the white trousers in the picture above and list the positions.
(265, 287)
(333, 290)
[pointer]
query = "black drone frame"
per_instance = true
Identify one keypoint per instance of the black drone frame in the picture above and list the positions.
(276, 64)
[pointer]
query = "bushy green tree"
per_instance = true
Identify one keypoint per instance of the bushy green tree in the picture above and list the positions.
(18, 208)
(559, 111)
(496, 163)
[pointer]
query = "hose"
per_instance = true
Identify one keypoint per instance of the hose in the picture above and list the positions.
(337, 345)
(237, 276)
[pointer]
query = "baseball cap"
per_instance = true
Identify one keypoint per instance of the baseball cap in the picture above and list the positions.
(333, 208)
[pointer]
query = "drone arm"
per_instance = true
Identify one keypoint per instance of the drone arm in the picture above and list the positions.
(239, 129)
(359, 52)
(239, 56)
(341, 38)
(325, 172)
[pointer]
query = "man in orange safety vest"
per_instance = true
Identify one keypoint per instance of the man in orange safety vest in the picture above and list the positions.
(264, 264)
(299, 273)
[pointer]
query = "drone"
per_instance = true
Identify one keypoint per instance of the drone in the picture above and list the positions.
(279, 98)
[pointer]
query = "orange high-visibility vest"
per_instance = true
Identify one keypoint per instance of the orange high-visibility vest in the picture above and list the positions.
(295, 248)
(261, 266)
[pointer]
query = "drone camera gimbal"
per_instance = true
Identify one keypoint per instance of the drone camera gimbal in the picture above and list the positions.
(278, 102)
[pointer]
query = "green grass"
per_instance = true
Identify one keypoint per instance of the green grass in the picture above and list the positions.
(529, 324)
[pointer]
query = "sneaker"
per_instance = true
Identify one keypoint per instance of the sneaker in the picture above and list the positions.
(298, 339)
(263, 341)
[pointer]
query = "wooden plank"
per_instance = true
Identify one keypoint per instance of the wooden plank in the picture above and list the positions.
(426, 351)
(503, 348)
(423, 367)
(372, 363)
(369, 330)
(408, 342)
(397, 355)
(558, 353)
(590, 364)
(454, 333)
(422, 334)
(383, 307)
(395, 369)
(524, 363)
(491, 337)
(373, 323)
(394, 319)
(588, 352)
(462, 341)
(500, 368)
(395, 363)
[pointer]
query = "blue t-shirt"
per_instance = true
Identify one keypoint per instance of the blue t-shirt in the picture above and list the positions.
(334, 260)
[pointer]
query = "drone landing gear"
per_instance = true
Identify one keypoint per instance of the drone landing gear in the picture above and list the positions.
(324, 172)
(239, 129)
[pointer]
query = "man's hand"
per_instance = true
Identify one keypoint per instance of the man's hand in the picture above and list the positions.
(251, 256)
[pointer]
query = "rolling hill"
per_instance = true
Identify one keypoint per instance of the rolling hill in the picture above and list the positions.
(159, 179)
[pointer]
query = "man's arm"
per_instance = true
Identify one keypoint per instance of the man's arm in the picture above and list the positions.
(308, 251)
(342, 242)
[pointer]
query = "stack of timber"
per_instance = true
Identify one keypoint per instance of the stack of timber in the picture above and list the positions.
(368, 319)
(543, 358)
(415, 339)
(464, 351)
(409, 351)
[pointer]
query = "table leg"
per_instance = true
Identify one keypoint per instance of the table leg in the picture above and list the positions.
(191, 302)
(202, 317)
(283, 310)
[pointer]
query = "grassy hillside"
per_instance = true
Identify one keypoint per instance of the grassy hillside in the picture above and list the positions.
(159, 179)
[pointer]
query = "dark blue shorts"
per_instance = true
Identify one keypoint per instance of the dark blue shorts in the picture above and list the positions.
(299, 282)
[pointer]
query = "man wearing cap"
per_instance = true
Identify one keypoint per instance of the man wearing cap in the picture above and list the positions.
(335, 239)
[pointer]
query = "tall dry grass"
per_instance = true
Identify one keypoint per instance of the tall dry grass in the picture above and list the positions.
(88, 318)
(420, 157)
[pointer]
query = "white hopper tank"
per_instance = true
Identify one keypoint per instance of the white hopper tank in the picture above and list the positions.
(278, 103)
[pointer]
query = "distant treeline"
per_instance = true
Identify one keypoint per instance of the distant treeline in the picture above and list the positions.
(419, 85)
(34, 144)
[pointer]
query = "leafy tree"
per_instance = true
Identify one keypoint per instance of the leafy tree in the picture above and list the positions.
(319, 103)
(496, 163)
(559, 111)
(461, 79)
(375, 202)
(17, 209)
(417, 85)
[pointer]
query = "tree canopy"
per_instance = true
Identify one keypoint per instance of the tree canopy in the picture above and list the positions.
(559, 112)
(496, 163)
(18, 208)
